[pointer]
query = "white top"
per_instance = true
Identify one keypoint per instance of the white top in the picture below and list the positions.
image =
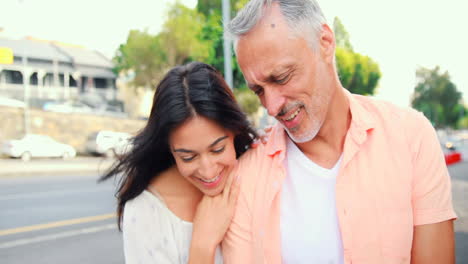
(309, 223)
(154, 234)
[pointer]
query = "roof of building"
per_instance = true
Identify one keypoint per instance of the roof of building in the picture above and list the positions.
(83, 56)
(34, 49)
(88, 62)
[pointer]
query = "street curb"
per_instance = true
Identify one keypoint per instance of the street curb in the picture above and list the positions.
(51, 173)
(96, 167)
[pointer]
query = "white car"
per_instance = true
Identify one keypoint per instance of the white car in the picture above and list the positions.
(108, 143)
(32, 146)
(68, 107)
(11, 102)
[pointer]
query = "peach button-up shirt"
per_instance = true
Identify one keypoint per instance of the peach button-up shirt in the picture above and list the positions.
(392, 178)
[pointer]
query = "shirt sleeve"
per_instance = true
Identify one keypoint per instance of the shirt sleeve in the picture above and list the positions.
(145, 242)
(237, 245)
(432, 194)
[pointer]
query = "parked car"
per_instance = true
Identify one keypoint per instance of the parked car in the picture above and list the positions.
(32, 146)
(6, 101)
(109, 110)
(451, 154)
(108, 143)
(68, 107)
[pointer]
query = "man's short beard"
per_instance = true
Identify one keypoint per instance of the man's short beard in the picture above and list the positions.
(305, 137)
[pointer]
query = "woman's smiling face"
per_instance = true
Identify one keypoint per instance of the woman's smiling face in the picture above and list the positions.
(204, 153)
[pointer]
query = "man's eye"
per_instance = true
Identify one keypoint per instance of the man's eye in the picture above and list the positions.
(282, 80)
(258, 91)
(219, 150)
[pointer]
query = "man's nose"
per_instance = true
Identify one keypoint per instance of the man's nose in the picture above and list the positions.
(273, 101)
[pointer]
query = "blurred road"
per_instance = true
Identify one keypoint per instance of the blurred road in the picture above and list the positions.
(58, 219)
(69, 219)
(89, 165)
(459, 175)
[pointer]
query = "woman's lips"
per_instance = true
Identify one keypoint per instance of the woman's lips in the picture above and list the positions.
(212, 183)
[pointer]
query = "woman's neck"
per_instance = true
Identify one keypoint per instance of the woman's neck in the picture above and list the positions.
(180, 196)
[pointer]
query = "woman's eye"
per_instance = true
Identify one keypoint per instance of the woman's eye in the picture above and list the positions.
(187, 159)
(219, 150)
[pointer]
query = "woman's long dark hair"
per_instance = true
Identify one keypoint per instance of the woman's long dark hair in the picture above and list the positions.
(185, 91)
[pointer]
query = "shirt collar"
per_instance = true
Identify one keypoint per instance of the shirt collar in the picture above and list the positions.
(362, 121)
(362, 118)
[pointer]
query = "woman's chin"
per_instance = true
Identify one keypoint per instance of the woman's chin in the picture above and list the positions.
(213, 191)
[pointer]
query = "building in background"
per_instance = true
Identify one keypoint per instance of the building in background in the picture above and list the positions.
(55, 71)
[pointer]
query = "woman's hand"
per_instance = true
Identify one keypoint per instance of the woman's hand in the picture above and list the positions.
(212, 220)
(262, 136)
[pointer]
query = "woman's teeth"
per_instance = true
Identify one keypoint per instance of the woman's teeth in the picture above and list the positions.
(210, 181)
(293, 115)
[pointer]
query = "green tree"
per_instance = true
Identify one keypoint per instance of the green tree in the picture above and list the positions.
(341, 35)
(247, 100)
(208, 7)
(213, 30)
(143, 56)
(463, 122)
(437, 97)
(149, 56)
(358, 73)
(181, 35)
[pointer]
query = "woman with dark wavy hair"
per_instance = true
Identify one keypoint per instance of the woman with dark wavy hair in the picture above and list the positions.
(176, 194)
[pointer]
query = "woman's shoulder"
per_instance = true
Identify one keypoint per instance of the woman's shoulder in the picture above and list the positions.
(144, 200)
(144, 207)
(149, 206)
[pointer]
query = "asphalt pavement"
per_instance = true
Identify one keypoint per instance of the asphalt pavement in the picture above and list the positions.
(47, 167)
(58, 219)
(69, 217)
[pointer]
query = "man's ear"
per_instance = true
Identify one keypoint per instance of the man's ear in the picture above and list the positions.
(327, 43)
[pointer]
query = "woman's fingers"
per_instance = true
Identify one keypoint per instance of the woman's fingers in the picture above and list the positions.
(235, 190)
(228, 186)
(254, 143)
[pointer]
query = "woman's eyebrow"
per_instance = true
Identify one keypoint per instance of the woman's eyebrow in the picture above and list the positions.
(218, 140)
(183, 150)
(211, 145)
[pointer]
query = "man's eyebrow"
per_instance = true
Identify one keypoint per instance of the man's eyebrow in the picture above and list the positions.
(281, 71)
(211, 145)
(272, 75)
(253, 86)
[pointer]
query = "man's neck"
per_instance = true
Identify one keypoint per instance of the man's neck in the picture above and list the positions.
(326, 148)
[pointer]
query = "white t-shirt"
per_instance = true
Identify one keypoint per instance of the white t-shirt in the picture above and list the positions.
(154, 234)
(309, 223)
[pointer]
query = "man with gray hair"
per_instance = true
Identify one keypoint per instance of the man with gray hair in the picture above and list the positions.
(343, 178)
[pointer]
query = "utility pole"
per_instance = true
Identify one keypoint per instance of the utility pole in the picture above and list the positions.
(26, 74)
(227, 44)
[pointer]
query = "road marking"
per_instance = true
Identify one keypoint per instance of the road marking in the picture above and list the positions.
(55, 224)
(51, 193)
(89, 230)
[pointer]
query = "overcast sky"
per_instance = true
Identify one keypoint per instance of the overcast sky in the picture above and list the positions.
(399, 35)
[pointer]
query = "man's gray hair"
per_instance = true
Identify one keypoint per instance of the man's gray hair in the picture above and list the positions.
(304, 17)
